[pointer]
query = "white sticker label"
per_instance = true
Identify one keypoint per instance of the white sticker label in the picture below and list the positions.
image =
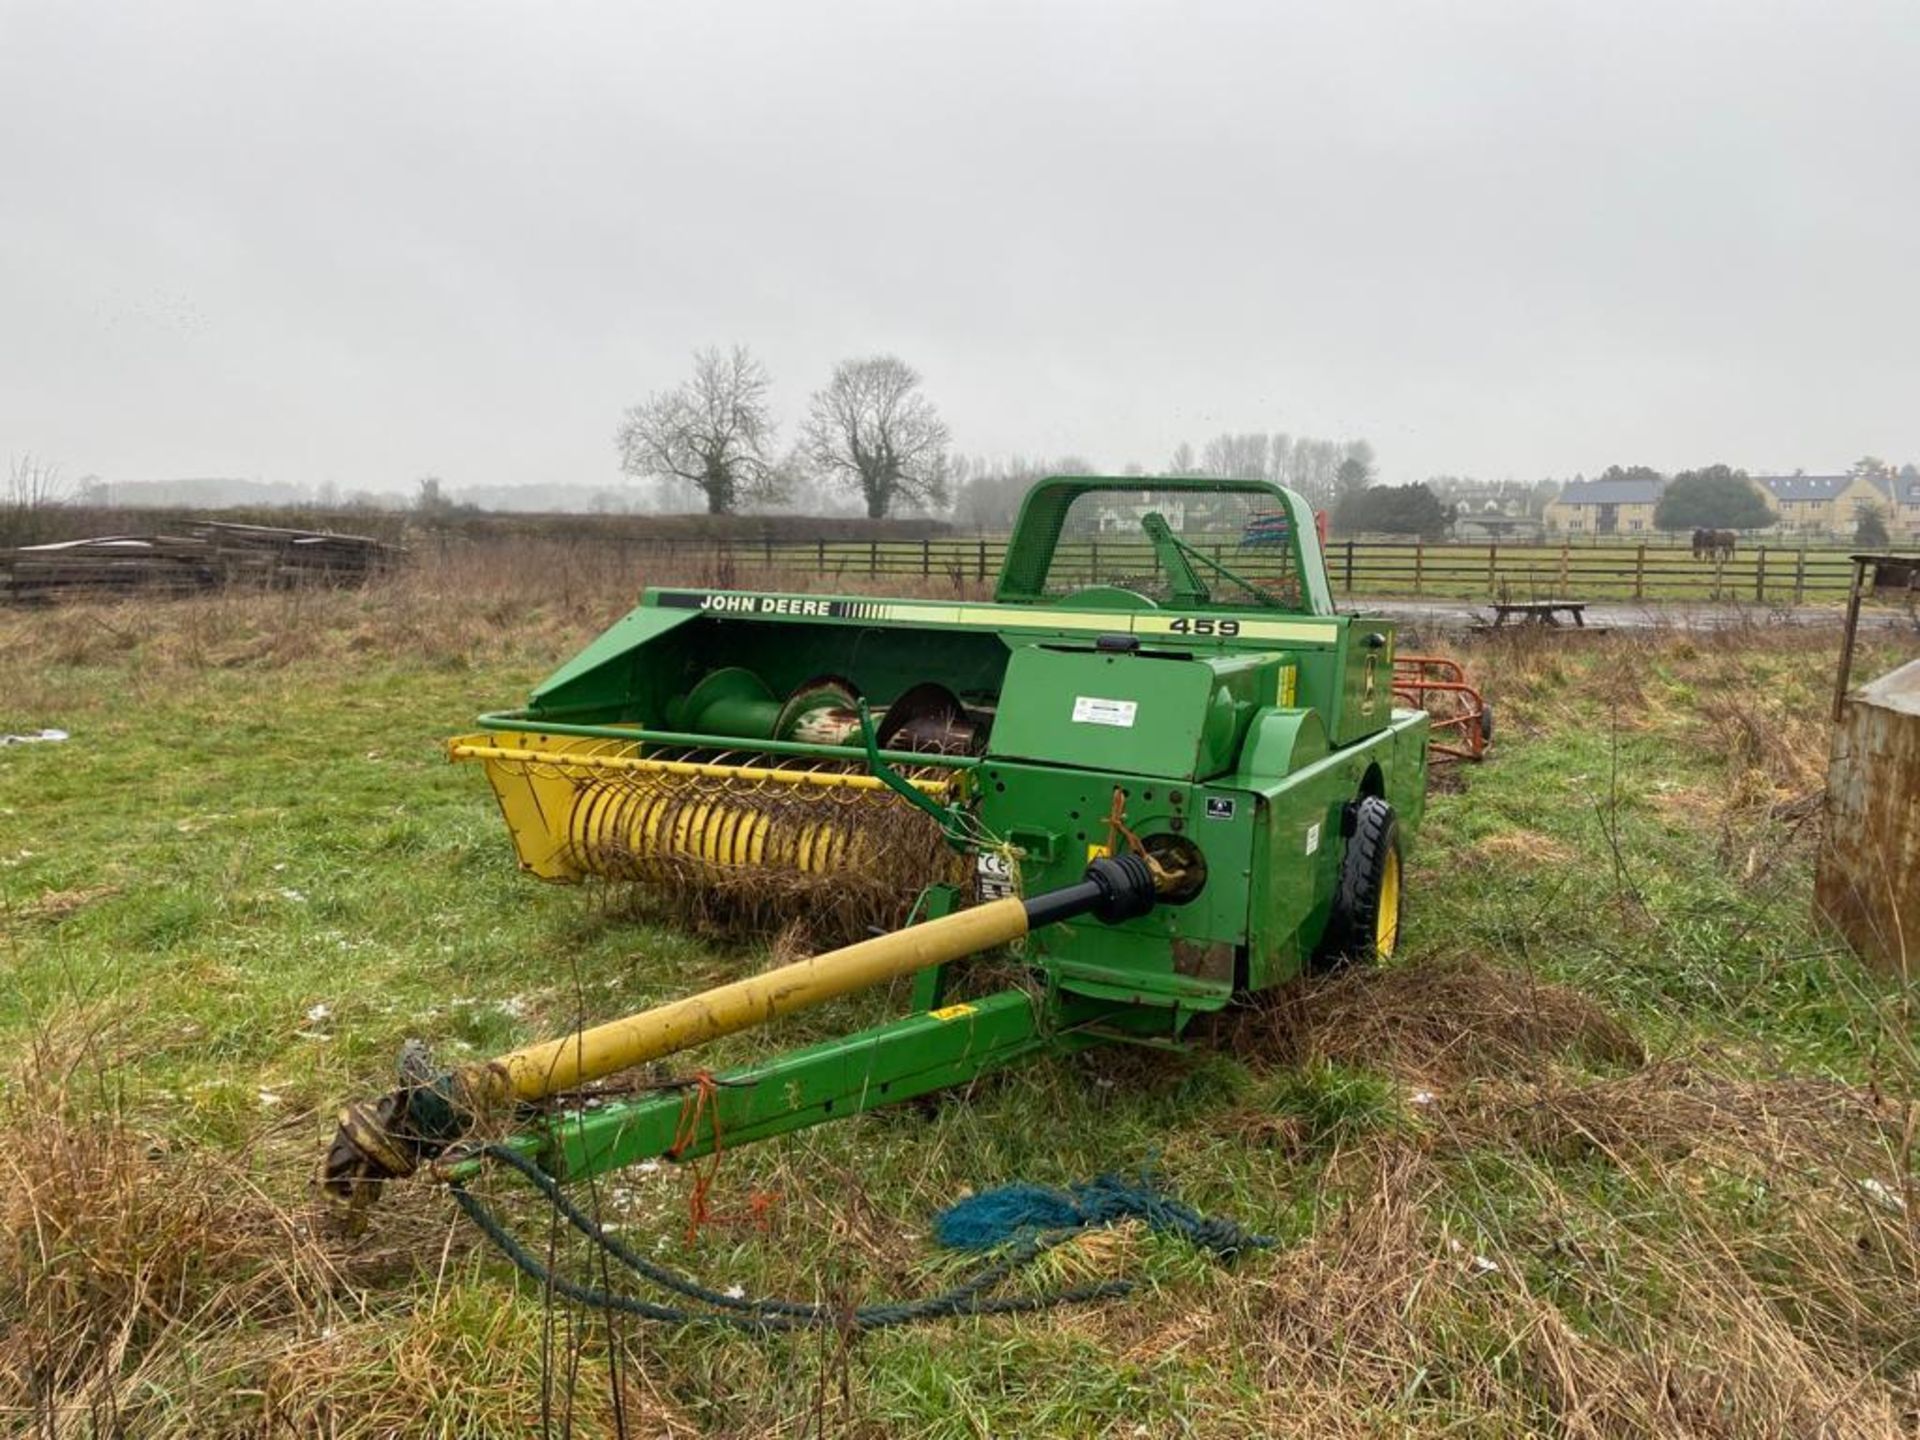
(992, 876)
(1092, 710)
(1313, 837)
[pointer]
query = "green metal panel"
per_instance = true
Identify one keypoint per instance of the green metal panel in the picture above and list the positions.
(1351, 680)
(1279, 742)
(1180, 954)
(1406, 787)
(1171, 714)
(1299, 843)
(1366, 679)
(601, 674)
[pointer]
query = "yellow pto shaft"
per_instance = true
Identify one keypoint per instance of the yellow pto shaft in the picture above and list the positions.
(557, 1066)
(389, 1137)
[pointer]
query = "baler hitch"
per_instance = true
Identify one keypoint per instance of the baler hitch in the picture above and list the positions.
(431, 1113)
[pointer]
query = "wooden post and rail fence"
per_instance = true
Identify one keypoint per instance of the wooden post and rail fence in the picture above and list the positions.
(1766, 572)
(1763, 573)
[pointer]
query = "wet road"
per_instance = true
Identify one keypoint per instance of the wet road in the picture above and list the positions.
(1631, 615)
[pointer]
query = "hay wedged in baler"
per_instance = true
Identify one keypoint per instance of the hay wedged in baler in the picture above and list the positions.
(828, 909)
(721, 855)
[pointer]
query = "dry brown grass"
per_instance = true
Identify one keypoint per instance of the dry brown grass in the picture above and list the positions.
(169, 1290)
(1446, 1020)
(1752, 695)
(115, 1248)
(1782, 1324)
(58, 904)
(1520, 847)
(458, 602)
(1650, 1250)
(1549, 1250)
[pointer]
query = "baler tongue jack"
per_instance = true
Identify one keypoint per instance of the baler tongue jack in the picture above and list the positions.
(430, 1113)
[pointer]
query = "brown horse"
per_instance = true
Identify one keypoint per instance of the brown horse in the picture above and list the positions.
(1714, 544)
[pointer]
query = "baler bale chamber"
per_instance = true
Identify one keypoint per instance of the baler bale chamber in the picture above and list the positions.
(1158, 761)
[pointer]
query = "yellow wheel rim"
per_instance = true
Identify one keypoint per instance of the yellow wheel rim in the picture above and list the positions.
(1386, 920)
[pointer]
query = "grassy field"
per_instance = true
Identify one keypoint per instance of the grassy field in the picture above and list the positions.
(1621, 1145)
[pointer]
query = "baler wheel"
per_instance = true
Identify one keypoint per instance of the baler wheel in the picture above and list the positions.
(1365, 924)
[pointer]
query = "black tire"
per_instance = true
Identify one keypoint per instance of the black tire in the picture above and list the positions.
(1370, 879)
(1486, 722)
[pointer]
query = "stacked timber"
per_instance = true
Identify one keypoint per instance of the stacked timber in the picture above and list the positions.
(213, 554)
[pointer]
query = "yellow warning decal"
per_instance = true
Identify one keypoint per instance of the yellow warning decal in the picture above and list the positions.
(1097, 852)
(951, 1012)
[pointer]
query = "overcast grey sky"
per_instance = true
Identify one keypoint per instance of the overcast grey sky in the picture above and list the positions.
(362, 242)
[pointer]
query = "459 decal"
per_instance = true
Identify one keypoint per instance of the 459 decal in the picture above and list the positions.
(1203, 626)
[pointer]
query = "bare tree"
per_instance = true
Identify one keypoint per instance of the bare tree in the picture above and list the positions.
(872, 430)
(33, 488)
(1311, 467)
(1236, 457)
(712, 432)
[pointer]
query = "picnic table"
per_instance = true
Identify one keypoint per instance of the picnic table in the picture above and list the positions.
(1539, 612)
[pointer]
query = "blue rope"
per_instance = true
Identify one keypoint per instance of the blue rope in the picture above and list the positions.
(966, 1298)
(1099, 1202)
(993, 1217)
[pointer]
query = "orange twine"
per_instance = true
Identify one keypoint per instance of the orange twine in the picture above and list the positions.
(703, 1100)
(1117, 828)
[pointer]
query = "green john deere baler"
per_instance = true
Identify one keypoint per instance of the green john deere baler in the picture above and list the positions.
(1158, 763)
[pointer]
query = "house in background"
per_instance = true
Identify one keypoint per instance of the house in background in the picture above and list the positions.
(1488, 509)
(1829, 504)
(1125, 519)
(1802, 504)
(1903, 515)
(1605, 507)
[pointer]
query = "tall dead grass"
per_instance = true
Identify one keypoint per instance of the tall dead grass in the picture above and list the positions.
(1650, 1250)
(1751, 696)
(155, 1289)
(114, 1251)
(458, 602)
(1446, 1020)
